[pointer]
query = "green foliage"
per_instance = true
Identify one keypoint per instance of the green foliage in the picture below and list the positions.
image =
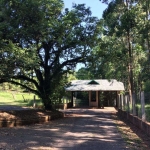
(41, 47)
(147, 86)
(83, 74)
(71, 76)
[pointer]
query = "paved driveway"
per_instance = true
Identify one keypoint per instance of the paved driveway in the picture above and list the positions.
(82, 129)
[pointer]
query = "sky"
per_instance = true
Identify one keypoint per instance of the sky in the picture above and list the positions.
(96, 6)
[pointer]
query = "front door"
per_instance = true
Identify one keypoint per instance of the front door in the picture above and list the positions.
(93, 98)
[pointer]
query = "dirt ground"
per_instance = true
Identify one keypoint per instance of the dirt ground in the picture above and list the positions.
(134, 137)
(80, 129)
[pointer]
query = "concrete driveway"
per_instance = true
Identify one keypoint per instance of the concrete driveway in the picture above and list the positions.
(81, 129)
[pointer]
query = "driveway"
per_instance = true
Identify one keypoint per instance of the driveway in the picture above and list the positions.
(81, 129)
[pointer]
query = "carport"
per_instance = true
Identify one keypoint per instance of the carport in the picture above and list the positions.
(95, 88)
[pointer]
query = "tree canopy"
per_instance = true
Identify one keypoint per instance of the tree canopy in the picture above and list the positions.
(40, 47)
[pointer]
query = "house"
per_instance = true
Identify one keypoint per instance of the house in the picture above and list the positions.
(98, 93)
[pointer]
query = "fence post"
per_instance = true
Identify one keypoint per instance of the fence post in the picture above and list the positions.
(13, 96)
(34, 103)
(122, 98)
(128, 107)
(124, 102)
(121, 101)
(23, 98)
(143, 106)
(133, 104)
(118, 101)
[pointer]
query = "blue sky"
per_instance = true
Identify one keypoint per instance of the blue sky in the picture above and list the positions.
(96, 6)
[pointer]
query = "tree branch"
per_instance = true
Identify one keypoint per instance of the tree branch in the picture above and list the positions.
(22, 77)
(78, 59)
(39, 75)
(24, 86)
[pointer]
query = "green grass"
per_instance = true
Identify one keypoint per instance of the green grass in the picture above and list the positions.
(147, 111)
(18, 98)
(24, 99)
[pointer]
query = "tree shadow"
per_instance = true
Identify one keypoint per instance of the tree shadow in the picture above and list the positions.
(79, 129)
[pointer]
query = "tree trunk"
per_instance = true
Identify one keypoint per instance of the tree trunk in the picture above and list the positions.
(130, 67)
(48, 106)
(147, 25)
(47, 102)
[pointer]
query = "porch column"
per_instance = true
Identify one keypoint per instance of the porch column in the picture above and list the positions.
(97, 99)
(71, 98)
(89, 97)
(116, 99)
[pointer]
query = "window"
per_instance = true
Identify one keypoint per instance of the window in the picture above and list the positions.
(93, 96)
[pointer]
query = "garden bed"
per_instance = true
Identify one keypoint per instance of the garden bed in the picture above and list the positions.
(27, 117)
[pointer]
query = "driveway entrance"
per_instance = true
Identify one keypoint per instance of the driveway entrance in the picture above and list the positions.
(81, 129)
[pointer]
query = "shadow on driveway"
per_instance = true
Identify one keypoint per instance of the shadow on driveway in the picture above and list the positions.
(81, 129)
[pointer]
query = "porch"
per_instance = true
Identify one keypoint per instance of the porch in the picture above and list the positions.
(94, 93)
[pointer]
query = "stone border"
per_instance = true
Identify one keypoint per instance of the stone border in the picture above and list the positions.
(20, 122)
(144, 126)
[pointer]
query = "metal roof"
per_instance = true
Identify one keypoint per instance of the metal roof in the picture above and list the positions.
(98, 85)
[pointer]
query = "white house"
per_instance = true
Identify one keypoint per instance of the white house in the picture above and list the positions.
(94, 89)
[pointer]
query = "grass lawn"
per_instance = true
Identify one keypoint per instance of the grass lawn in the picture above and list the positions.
(18, 98)
(147, 111)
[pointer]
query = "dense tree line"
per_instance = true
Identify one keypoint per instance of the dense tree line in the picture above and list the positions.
(123, 48)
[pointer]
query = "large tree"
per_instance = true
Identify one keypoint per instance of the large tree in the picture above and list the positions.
(45, 43)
